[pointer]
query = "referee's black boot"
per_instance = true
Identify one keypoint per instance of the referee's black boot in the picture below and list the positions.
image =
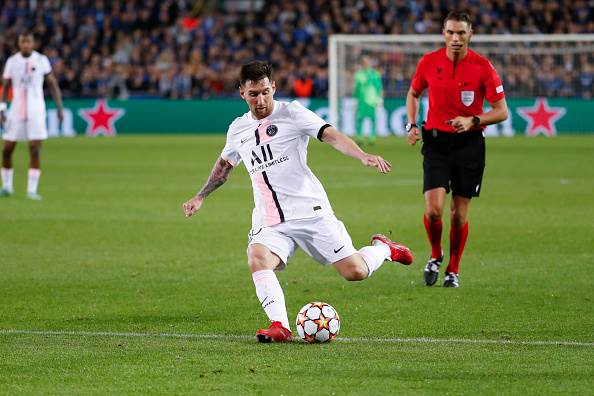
(431, 272)
(451, 280)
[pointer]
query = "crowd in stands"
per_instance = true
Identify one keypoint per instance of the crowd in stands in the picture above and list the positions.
(189, 49)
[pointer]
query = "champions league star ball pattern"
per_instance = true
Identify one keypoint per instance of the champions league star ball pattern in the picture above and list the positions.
(317, 322)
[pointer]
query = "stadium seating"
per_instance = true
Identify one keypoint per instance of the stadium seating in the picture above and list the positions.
(159, 49)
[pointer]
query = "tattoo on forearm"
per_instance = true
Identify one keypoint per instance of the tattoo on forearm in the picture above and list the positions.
(218, 176)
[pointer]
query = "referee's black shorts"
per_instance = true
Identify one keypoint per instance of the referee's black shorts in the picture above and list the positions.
(454, 161)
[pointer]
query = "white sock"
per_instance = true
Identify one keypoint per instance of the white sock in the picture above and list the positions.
(33, 180)
(271, 296)
(374, 256)
(7, 179)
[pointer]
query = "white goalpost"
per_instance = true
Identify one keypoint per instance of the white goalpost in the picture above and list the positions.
(530, 65)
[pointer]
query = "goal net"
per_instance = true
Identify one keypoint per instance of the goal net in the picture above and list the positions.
(530, 66)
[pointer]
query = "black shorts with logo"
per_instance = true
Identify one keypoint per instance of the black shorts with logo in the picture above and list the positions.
(453, 161)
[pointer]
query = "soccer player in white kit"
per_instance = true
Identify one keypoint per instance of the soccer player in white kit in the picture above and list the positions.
(26, 71)
(291, 207)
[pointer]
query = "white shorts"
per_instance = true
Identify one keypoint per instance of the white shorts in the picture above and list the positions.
(324, 238)
(33, 128)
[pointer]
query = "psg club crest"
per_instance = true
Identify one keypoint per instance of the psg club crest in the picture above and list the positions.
(271, 130)
(467, 97)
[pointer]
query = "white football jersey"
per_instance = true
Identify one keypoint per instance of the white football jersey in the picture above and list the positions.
(27, 75)
(274, 151)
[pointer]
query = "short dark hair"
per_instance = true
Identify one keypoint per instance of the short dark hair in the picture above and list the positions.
(255, 71)
(26, 33)
(458, 16)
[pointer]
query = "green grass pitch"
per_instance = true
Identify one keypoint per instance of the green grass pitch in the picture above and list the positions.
(108, 252)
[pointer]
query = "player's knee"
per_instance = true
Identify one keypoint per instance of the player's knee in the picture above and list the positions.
(259, 260)
(434, 214)
(255, 260)
(458, 220)
(458, 217)
(6, 153)
(354, 273)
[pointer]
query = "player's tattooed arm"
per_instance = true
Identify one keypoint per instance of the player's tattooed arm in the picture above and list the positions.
(218, 176)
(56, 94)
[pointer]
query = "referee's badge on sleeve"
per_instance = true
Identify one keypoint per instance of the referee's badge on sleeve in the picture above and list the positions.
(467, 97)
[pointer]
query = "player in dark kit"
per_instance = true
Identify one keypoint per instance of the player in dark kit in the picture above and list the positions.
(458, 81)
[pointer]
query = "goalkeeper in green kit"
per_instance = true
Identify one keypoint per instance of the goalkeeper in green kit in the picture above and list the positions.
(368, 93)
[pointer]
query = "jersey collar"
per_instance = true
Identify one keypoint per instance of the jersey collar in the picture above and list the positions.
(445, 53)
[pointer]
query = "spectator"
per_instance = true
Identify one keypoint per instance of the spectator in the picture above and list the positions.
(303, 86)
(139, 42)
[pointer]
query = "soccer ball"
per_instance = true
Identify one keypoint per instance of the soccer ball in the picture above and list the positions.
(317, 322)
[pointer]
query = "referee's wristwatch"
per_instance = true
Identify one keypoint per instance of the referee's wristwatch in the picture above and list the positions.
(476, 121)
(410, 126)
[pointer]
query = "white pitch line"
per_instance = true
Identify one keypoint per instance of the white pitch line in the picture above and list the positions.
(124, 334)
(422, 340)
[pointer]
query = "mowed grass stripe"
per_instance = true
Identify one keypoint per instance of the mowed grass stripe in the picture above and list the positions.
(108, 252)
(419, 340)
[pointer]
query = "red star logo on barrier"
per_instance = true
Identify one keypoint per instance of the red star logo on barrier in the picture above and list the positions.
(541, 118)
(101, 118)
